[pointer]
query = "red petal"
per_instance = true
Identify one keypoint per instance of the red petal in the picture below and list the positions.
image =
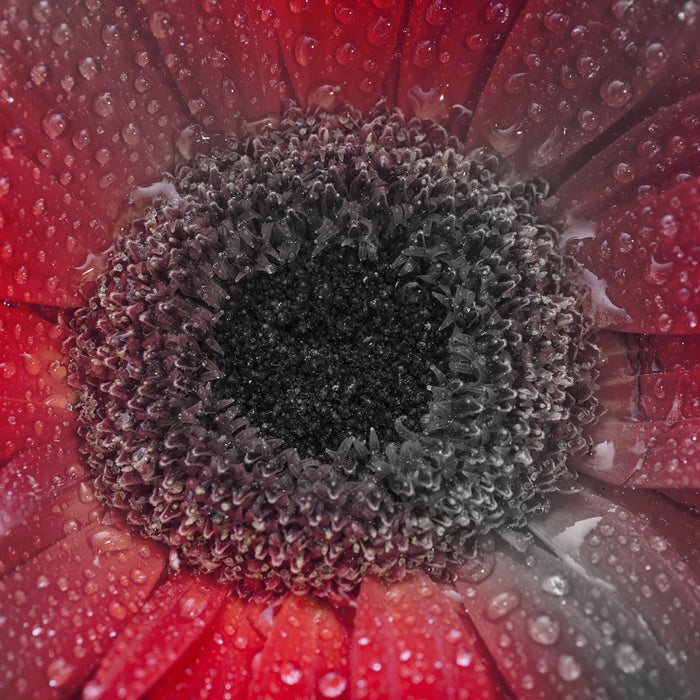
(156, 637)
(24, 425)
(223, 57)
(337, 52)
(49, 239)
(96, 111)
(306, 654)
(69, 511)
(448, 51)
(33, 478)
(219, 664)
(568, 71)
(409, 642)
(32, 366)
(64, 606)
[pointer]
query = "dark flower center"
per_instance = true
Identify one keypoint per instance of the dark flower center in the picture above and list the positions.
(335, 347)
(331, 346)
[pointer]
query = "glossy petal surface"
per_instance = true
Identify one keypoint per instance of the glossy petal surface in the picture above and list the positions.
(62, 608)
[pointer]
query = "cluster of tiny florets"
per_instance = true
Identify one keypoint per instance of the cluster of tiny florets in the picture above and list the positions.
(502, 413)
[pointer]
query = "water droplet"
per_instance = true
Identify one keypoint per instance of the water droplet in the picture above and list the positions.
(463, 658)
(568, 668)
(332, 684)
(305, 50)
(502, 604)
(623, 172)
(297, 6)
(588, 120)
(59, 672)
(193, 604)
(616, 93)
(160, 24)
(555, 21)
(664, 323)
(497, 12)
(39, 73)
(61, 34)
(88, 67)
(110, 540)
(103, 104)
(290, 674)
(41, 11)
(543, 629)
(424, 54)
(556, 585)
(587, 65)
(655, 56)
(437, 13)
(379, 31)
(55, 123)
(117, 610)
(627, 658)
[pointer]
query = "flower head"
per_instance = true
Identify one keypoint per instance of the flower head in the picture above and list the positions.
(389, 306)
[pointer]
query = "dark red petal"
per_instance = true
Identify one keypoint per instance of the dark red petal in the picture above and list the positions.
(613, 546)
(223, 57)
(568, 71)
(32, 479)
(61, 609)
(631, 354)
(643, 263)
(85, 96)
(305, 655)
(650, 454)
(677, 526)
(664, 146)
(70, 510)
(24, 424)
(219, 664)
(663, 396)
(49, 239)
(156, 637)
(337, 52)
(32, 366)
(448, 51)
(409, 642)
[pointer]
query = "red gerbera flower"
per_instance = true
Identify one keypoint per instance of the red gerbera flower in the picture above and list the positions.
(349, 349)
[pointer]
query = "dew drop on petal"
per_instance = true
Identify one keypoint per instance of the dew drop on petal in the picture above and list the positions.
(55, 123)
(616, 93)
(305, 50)
(543, 629)
(290, 674)
(556, 585)
(501, 604)
(568, 668)
(332, 684)
(193, 605)
(59, 672)
(88, 67)
(627, 658)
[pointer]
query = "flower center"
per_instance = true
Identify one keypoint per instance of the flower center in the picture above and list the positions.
(335, 347)
(330, 346)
